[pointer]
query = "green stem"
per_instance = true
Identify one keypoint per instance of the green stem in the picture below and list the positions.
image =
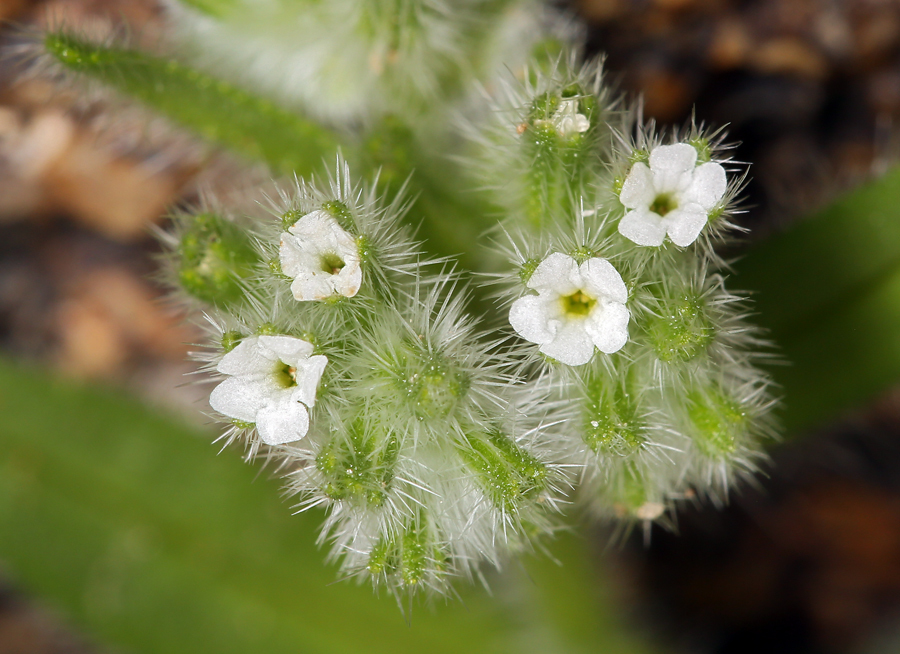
(216, 110)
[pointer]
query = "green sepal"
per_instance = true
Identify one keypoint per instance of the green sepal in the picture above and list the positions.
(613, 424)
(414, 553)
(431, 384)
(559, 165)
(359, 465)
(508, 474)
(230, 340)
(717, 422)
(681, 330)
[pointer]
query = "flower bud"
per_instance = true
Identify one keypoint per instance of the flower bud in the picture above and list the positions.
(215, 257)
(680, 330)
(717, 422)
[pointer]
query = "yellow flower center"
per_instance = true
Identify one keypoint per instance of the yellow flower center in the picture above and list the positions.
(285, 375)
(331, 263)
(578, 305)
(663, 204)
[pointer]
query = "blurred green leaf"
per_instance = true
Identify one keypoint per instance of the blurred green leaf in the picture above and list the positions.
(828, 292)
(131, 523)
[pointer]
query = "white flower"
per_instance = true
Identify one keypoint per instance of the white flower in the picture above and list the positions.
(272, 382)
(672, 196)
(567, 120)
(576, 308)
(322, 257)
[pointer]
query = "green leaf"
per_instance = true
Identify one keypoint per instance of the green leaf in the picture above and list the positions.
(828, 291)
(149, 541)
(214, 109)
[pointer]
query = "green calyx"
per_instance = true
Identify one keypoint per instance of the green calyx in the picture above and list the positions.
(242, 424)
(613, 424)
(682, 330)
(230, 340)
(268, 329)
(543, 107)
(432, 384)
(414, 555)
(718, 422)
(639, 156)
(340, 212)
(290, 217)
(508, 474)
(410, 557)
(215, 255)
(527, 269)
(359, 465)
(703, 148)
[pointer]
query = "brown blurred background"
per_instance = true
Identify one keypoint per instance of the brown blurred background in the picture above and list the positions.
(808, 561)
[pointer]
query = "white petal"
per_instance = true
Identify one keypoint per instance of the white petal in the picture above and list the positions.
(672, 167)
(345, 244)
(531, 318)
(579, 123)
(677, 158)
(246, 360)
(643, 227)
(707, 187)
(571, 124)
(318, 232)
(287, 349)
(601, 279)
(348, 281)
(309, 372)
(283, 421)
(608, 327)
(309, 286)
(294, 258)
(571, 346)
(685, 224)
(637, 191)
(556, 274)
(314, 228)
(238, 398)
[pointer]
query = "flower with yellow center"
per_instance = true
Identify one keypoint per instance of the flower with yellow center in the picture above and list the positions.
(271, 382)
(577, 308)
(322, 258)
(673, 196)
